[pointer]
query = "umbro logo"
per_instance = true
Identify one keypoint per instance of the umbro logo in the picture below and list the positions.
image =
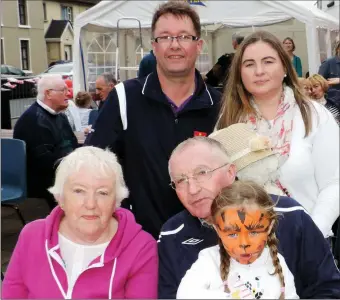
(192, 241)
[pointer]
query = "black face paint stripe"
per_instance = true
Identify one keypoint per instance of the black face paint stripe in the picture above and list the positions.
(262, 215)
(254, 226)
(241, 215)
(223, 216)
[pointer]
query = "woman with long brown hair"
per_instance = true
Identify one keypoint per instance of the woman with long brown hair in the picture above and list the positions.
(263, 91)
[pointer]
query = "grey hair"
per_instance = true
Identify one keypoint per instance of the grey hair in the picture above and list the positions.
(200, 140)
(45, 83)
(237, 37)
(97, 160)
(108, 78)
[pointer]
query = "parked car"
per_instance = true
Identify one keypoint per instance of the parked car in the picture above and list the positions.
(10, 71)
(66, 70)
(58, 62)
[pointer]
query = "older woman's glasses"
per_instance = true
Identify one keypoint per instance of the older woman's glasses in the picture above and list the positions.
(181, 39)
(199, 176)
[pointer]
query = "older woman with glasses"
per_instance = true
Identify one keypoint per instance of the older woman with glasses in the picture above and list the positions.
(87, 247)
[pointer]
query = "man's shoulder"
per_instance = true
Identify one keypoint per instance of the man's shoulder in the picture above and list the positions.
(283, 203)
(330, 60)
(177, 223)
(28, 116)
(134, 84)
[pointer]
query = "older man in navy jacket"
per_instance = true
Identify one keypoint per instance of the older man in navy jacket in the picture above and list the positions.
(301, 243)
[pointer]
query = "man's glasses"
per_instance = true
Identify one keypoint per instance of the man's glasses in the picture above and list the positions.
(181, 39)
(65, 90)
(200, 176)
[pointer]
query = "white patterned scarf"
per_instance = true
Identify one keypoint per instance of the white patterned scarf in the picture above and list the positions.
(279, 130)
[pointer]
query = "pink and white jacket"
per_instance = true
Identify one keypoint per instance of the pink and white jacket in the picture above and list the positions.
(128, 267)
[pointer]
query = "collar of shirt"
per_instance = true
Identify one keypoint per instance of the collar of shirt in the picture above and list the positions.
(176, 109)
(46, 107)
(205, 223)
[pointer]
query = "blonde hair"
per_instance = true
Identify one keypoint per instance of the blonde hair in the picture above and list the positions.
(100, 162)
(236, 99)
(304, 81)
(318, 79)
(246, 194)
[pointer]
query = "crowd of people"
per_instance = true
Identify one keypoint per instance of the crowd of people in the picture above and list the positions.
(180, 191)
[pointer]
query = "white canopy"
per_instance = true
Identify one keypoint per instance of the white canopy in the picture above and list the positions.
(213, 14)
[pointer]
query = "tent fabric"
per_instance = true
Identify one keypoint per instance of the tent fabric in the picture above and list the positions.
(212, 13)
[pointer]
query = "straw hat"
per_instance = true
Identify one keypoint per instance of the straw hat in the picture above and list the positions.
(243, 145)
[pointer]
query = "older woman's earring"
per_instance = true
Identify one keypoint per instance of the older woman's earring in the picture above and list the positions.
(285, 75)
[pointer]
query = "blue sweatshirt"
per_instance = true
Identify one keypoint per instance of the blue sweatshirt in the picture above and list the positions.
(301, 243)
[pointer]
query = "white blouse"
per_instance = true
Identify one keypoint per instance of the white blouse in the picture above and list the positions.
(77, 257)
(311, 173)
(203, 279)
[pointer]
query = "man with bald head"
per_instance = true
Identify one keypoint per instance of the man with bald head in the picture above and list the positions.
(47, 134)
(200, 168)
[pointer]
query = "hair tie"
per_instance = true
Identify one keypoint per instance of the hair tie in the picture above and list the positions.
(225, 283)
(282, 289)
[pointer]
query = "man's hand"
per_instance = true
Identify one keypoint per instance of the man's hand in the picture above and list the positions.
(333, 81)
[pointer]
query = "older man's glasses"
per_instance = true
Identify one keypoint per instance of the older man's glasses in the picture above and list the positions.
(60, 91)
(199, 176)
(181, 39)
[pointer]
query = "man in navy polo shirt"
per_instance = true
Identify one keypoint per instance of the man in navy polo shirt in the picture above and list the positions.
(162, 109)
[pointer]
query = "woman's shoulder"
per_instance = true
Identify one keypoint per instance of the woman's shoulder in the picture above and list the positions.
(131, 228)
(319, 114)
(33, 230)
(297, 57)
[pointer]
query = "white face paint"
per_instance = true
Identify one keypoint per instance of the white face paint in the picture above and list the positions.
(264, 173)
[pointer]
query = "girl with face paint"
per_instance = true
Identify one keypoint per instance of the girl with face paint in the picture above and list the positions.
(246, 264)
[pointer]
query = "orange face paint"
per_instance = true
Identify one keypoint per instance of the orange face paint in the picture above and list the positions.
(244, 233)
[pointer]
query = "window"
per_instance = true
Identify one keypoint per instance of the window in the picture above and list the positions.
(45, 13)
(22, 12)
(2, 52)
(67, 13)
(24, 50)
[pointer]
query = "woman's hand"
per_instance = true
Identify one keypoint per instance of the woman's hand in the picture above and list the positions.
(333, 81)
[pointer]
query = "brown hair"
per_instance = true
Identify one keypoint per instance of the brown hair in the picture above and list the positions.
(245, 194)
(337, 48)
(318, 79)
(291, 40)
(236, 105)
(179, 9)
(83, 99)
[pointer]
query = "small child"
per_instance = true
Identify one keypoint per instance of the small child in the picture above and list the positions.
(83, 101)
(246, 263)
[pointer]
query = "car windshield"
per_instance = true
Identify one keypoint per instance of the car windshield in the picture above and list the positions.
(15, 71)
(62, 68)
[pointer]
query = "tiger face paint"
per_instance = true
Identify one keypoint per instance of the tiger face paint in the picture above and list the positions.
(243, 233)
